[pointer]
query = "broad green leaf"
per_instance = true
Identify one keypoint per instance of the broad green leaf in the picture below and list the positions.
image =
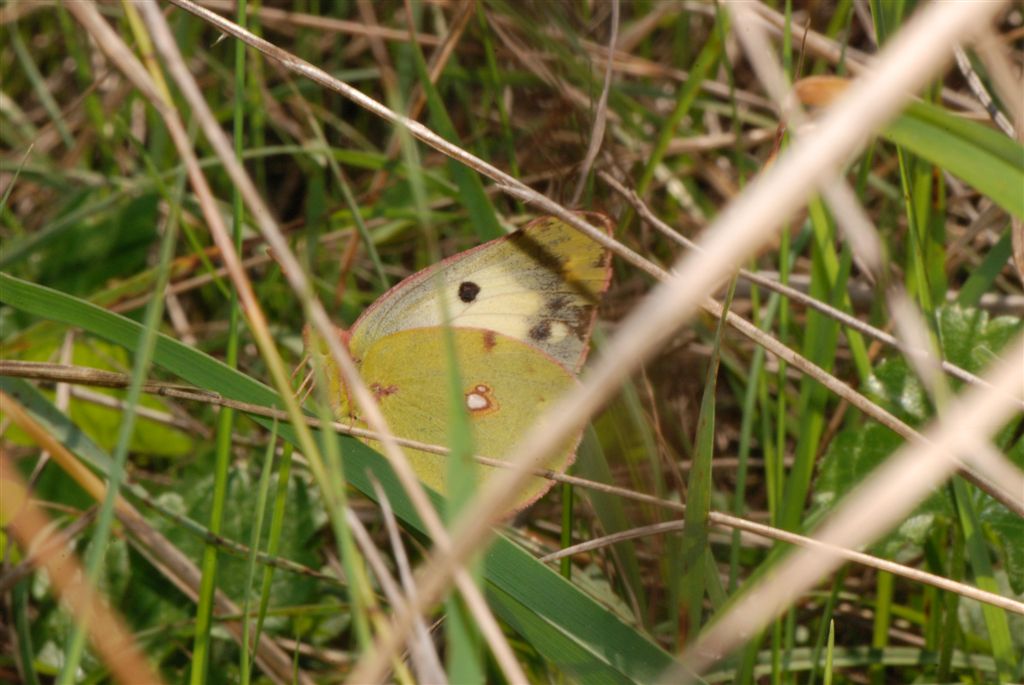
(972, 340)
(151, 437)
(853, 454)
(986, 159)
(982, 156)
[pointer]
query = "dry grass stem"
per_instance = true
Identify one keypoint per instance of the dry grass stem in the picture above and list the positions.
(109, 634)
(600, 111)
(273, 16)
(164, 556)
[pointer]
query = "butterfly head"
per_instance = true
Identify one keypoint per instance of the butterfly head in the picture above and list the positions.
(323, 368)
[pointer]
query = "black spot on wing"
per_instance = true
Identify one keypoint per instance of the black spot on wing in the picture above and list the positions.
(541, 331)
(468, 291)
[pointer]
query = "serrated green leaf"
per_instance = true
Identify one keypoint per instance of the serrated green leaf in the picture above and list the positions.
(851, 456)
(972, 340)
(1005, 528)
(299, 528)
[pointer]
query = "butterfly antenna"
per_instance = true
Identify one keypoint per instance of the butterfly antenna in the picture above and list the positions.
(298, 367)
(302, 392)
(305, 388)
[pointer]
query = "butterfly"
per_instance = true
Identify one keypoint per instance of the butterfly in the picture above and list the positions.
(521, 310)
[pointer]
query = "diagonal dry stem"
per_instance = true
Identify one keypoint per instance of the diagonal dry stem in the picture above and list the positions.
(600, 110)
(109, 634)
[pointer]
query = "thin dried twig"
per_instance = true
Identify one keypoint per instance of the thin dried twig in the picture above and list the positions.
(769, 533)
(272, 16)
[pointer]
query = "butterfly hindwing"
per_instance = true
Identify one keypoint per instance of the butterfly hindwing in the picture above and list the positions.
(506, 384)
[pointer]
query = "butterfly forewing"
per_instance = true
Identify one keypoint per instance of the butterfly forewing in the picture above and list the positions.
(540, 285)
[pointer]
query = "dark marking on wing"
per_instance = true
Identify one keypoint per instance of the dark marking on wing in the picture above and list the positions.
(556, 304)
(381, 391)
(541, 331)
(538, 253)
(563, 309)
(490, 340)
(468, 291)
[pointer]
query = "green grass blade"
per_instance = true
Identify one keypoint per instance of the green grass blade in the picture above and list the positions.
(263, 491)
(986, 159)
(40, 88)
(592, 464)
(978, 556)
(22, 629)
(695, 549)
(471, 190)
(984, 275)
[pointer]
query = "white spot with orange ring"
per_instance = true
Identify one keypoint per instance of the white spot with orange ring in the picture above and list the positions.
(479, 400)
